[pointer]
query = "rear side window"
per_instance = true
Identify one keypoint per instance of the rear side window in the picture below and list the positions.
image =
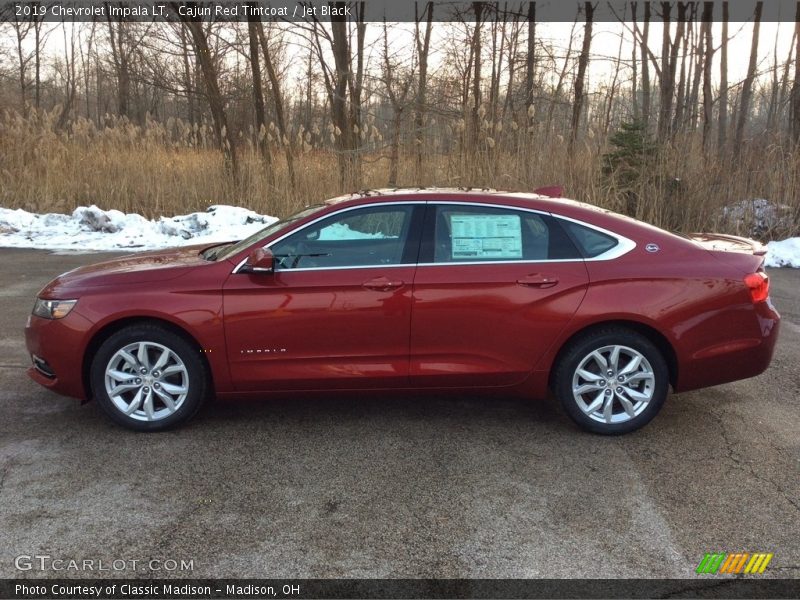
(481, 233)
(590, 241)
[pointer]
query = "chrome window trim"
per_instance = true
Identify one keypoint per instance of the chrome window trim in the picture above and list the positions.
(623, 246)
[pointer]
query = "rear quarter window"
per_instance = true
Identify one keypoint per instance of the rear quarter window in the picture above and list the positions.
(590, 242)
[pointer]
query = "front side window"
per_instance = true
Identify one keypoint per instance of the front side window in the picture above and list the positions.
(370, 236)
(480, 233)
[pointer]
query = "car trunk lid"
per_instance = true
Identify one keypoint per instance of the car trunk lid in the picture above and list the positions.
(743, 252)
(720, 242)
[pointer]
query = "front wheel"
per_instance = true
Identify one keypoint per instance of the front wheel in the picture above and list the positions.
(612, 381)
(147, 378)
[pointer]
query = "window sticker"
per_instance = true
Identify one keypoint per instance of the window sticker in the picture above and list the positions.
(486, 236)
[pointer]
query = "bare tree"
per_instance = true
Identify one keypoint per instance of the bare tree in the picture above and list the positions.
(476, 78)
(21, 31)
(277, 96)
(747, 88)
(85, 58)
(423, 43)
(530, 58)
(583, 61)
(634, 63)
(398, 85)
(258, 96)
(226, 141)
(69, 78)
(644, 42)
(121, 51)
(722, 132)
(669, 63)
(708, 15)
(341, 118)
(796, 86)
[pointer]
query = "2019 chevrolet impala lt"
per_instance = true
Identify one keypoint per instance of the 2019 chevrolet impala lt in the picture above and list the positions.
(418, 290)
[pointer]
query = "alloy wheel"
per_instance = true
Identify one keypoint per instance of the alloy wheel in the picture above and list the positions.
(613, 384)
(146, 381)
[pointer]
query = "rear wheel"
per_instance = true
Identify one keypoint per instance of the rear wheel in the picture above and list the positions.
(147, 378)
(612, 381)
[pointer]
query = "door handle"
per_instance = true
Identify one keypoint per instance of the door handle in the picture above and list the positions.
(538, 280)
(382, 284)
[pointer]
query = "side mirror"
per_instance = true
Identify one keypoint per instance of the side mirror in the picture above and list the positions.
(261, 260)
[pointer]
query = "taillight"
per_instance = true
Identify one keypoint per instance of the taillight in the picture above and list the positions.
(758, 285)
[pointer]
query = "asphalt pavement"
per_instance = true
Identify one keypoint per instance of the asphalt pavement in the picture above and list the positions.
(372, 486)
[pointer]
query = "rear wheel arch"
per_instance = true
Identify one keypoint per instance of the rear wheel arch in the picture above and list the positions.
(113, 327)
(658, 339)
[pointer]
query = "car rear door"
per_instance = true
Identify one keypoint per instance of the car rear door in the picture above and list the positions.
(336, 312)
(493, 289)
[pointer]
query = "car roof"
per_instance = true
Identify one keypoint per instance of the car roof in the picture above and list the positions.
(565, 207)
(468, 194)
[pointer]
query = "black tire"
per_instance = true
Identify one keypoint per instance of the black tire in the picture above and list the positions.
(193, 378)
(580, 350)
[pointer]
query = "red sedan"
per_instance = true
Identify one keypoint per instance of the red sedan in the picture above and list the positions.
(418, 290)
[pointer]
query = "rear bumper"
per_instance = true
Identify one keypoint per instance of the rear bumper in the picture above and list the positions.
(61, 345)
(746, 353)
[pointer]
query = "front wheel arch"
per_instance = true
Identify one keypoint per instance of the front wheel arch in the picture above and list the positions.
(653, 335)
(111, 328)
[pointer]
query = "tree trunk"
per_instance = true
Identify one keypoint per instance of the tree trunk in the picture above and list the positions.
(530, 59)
(680, 98)
(277, 97)
(187, 83)
(634, 62)
(782, 100)
(796, 86)
(37, 30)
(747, 88)
(722, 134)
(356, 87)
(341, 57)
(119, 54)
(583, 61)
(258, 97)
(423, 49)
(476, 80)
(394, 155)
(694, 96)
(708, 100)
(645, 66)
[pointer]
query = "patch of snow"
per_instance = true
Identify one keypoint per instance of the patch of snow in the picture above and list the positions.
(757, 217)
(785, 253)
(342, 231)
(93, 229)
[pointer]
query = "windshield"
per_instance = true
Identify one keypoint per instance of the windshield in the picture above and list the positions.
(226, 251)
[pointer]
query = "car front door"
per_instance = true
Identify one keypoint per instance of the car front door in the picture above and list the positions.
(493, 289)
(335, 313)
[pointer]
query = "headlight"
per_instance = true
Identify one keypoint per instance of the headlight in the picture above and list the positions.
(53, 309)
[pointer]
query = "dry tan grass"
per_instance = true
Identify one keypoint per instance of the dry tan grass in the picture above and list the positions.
(170, 169)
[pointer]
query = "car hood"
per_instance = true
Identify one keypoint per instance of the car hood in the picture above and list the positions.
(142, 267)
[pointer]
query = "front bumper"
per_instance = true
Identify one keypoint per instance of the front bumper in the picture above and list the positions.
(58, 346)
